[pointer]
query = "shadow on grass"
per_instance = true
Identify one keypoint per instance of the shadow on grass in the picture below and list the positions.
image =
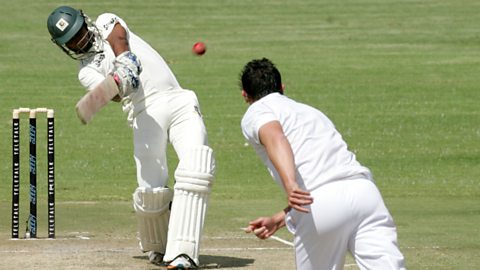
(215, 262)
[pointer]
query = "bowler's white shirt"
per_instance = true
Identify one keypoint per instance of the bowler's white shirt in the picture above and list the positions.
(321, 155)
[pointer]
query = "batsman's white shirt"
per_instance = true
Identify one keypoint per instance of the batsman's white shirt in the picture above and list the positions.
(159, 111)
(348, 212)
(155, 78)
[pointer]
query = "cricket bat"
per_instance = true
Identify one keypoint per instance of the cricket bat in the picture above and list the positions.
(96, 99)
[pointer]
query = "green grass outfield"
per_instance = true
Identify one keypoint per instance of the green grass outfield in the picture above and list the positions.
(400, 79)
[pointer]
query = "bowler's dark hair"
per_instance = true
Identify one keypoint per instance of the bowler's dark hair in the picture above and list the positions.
(260, 77)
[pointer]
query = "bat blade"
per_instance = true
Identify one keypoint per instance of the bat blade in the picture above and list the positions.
(96, 99)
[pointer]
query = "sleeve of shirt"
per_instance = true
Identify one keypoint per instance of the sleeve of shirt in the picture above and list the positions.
(89, 77)
(256, 116)
(106, 21)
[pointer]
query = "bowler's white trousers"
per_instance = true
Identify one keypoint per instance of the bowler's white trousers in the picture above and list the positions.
(174, 116)
(347, 215)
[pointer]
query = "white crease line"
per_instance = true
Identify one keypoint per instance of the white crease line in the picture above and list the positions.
(79, 237)
(432, 247)
(288, 243)
(283, 241)
(226, 237)
(243, 249)
(130, 250)
(127, 250)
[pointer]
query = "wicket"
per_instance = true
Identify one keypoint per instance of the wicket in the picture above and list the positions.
(32, 219)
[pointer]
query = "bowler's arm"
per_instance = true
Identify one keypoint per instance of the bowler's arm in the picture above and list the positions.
(280, 153)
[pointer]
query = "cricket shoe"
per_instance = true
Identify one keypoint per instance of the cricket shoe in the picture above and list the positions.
(155, 257)
(181, 262)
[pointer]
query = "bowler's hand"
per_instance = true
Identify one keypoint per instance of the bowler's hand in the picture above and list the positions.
(263, 227)
(298, 198)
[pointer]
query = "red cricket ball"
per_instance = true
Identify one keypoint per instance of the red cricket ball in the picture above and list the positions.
(199, 48)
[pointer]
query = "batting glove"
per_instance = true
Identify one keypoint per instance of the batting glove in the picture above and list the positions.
(126, 73)
(129, 60)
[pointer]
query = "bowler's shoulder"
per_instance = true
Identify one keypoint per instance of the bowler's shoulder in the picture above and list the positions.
(255, 112)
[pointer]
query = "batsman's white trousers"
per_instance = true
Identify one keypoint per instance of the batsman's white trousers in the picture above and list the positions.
(347, 215)
(175, 117)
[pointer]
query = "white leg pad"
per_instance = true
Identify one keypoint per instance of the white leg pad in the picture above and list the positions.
(194, 178)
(152, 210)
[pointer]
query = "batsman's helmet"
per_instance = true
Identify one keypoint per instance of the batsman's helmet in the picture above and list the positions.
(64, 23)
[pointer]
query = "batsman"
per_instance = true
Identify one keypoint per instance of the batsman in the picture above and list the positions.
(170, 221)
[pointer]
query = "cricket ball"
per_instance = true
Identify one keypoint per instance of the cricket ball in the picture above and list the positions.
(199, 48)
